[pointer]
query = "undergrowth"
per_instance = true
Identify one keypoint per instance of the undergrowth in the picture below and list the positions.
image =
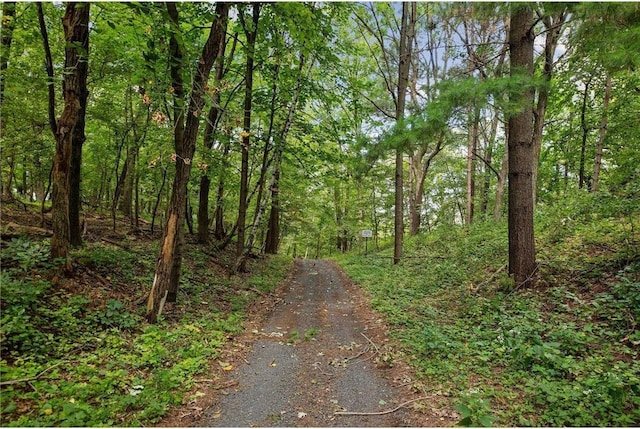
(562, 354)
(78, 352)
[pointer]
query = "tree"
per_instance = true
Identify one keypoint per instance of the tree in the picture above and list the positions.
(76, 30)
(251, 32)
(521, 240)
(601, 137)
(169, 262)
(8, 23)
(213, 119)
(553, 27)
(407, 32)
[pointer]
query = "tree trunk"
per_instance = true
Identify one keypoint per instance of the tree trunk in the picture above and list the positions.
(522, 262)
(419, 168)
(120, 178)
(8, 24)
(76, 30)
(209, 133)
(158, 197)
(218, 230)
(585, 134)
(553, 26)
(406, 42)
(169, 262)
(273, 231)
(77, 141)
(414, 205)
(246, 133)
(603, 132)
(502, 179)
(472, 145)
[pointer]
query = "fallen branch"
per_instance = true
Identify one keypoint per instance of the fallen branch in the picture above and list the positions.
(477, 288)
(13, 230)
(227, 385)
(380, 413)
(115, 243)
(372, 343)
(29, 379)
(259, 292)
(349, 359)
(220, 387)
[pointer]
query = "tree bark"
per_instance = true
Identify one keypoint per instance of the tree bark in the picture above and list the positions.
(209, 133)
(77, 140)
(169, 262)
(273, 229)
(603, 132)
(8, 24)
(472, 145)
(251, 34)
(76, 30)
(218, 229)
(418, 172)
(407, 30)
(585, 134)
(522, 262)
(553, 27)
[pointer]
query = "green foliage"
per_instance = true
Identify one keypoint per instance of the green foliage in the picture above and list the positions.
(96, 362)
(113, 262)
(564, 354)
(475, 412)
(19, 329)
(25, 254)
(116, 315)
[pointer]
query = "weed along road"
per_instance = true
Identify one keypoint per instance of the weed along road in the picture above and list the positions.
(315, 361)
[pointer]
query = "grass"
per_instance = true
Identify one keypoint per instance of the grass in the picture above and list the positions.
(82, 349)
(562, 354)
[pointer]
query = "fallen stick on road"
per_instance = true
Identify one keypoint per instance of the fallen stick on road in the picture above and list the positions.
(380, 413)
(372, 343)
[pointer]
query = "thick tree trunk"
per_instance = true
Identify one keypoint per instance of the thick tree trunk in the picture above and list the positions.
(169, 262)
(522, 262)
(78, 139)
(76, 30)
(246, 133)
(210, 131)
(603, 132)
(407, 30)
(273, 229)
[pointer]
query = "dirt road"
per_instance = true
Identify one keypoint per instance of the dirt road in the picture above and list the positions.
(315, 356)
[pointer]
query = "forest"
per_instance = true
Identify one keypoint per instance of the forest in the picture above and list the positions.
(163, 165)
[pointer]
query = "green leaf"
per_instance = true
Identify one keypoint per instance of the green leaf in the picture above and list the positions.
(486, 420)
(463, 409)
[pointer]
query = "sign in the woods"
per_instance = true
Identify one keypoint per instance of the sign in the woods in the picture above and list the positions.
(366, 233)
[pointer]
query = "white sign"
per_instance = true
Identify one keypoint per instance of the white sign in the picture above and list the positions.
(366, 233)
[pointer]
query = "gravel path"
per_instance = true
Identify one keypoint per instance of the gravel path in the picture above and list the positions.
(312, 358)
